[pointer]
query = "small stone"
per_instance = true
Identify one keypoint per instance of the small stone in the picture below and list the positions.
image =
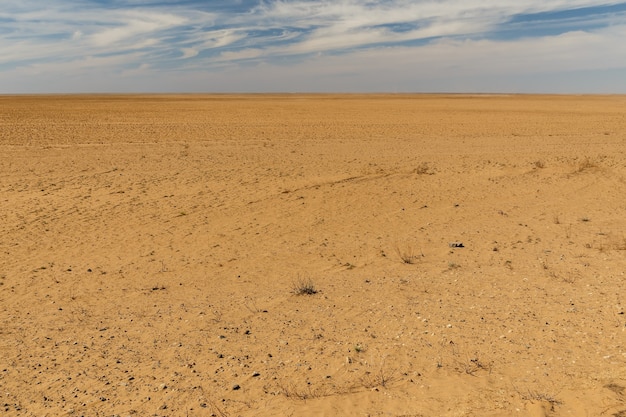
(236, 387)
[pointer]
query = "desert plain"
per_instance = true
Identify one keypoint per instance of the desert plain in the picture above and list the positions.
(312, 255)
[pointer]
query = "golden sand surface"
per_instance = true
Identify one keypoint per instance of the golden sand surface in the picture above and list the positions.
(152, 248)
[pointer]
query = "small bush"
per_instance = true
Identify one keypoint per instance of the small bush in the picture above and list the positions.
(304, 286)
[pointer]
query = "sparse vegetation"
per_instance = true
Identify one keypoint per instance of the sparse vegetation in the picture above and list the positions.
(215, 409)
(619, 244)
(291, 390)
(217, 316)
(252, 307)
(304, 286)
(408, 255)
(541, 396)
(453, 265)
(586, 164)
(612, 242)
(422, 169)
(473, 365)
(380, 378)
(617, 389)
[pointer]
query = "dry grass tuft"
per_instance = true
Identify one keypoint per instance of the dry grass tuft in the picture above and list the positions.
(380, 378)
(586, 164)
(304, 286)
(541, 396)
(407, 255)
(423, 169)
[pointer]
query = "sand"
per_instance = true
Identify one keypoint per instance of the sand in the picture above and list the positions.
(153, 248)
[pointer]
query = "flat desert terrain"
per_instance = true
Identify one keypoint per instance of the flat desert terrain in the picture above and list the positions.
(312, 255)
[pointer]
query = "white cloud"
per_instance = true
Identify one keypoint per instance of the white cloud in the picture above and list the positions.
(242, 54)
(189, 53)
(78, 66)
(324, 37)
(134, 24)
(526, 65)
(341, 25)
(220, 38)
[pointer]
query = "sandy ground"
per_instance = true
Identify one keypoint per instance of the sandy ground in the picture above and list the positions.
(152, 247)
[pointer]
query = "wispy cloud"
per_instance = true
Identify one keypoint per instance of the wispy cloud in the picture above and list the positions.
(130, 25)
(128, 37)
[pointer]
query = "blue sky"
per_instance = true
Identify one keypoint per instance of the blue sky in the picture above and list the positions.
(543, 46)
